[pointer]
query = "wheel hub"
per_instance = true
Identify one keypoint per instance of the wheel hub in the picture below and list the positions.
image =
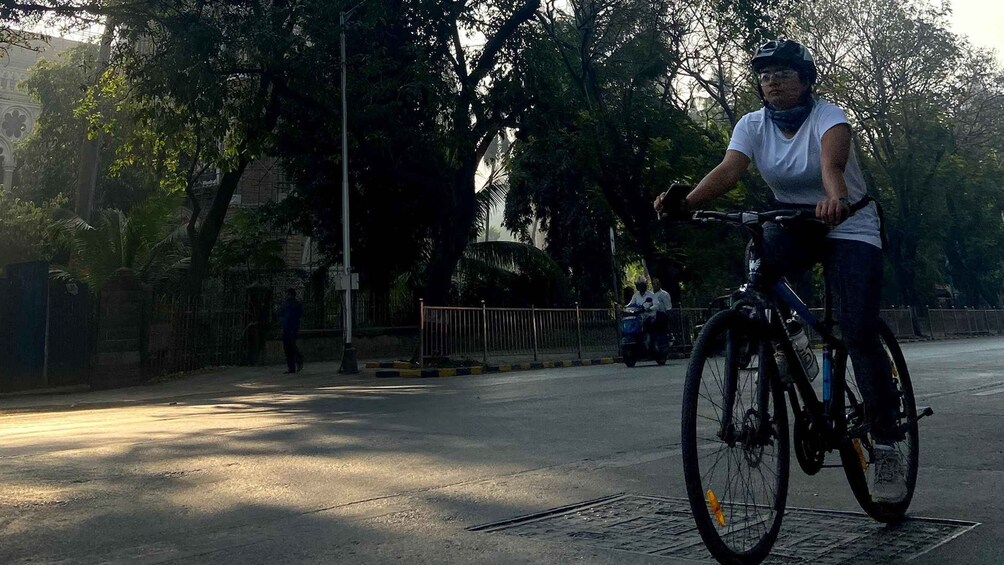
(750, 438)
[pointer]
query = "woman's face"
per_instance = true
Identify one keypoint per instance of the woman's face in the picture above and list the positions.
(782, 87)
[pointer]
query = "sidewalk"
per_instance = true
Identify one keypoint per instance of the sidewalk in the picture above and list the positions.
(241, 381)
(222, 381)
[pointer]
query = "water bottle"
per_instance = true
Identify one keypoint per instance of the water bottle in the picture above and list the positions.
(800, 342)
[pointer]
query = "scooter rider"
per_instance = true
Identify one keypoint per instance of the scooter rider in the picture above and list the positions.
(645, 300)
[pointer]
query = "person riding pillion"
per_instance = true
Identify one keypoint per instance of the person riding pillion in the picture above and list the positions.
(663, 305)
(802, 147)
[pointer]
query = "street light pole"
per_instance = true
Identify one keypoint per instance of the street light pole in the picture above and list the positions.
(349, 364)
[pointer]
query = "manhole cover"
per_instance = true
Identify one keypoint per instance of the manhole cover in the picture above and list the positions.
(664, 526)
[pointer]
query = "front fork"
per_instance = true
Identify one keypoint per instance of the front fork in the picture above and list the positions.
(736, 351)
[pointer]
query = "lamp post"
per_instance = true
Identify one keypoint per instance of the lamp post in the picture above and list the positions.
(349, 364)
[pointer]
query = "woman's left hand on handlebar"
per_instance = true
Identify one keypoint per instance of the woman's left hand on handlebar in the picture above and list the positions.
(832, 210)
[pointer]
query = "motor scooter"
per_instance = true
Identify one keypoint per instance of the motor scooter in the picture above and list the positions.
(636, 343)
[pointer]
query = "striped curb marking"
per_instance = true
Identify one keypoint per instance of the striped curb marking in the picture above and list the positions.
(503, 368)
(389, 365)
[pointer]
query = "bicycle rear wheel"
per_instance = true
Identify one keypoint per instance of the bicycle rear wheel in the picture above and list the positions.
(857, 454)
(735, 440)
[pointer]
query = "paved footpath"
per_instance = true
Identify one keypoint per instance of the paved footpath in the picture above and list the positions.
(244, 466)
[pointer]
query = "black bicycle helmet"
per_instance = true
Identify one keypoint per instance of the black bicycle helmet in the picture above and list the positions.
(786, 52)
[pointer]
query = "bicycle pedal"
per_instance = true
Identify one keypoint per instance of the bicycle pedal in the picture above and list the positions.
(925, 412)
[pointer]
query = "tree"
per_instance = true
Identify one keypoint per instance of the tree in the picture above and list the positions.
(714, 42)
(397, 86)
(249, 243)
(508, 273)
(25, 228)
(550, 186)
(974, 242)
(487, 99)
(205, 82)
(208, 81)
(903, 78)
(147, 240)
(633, 140)
(425, 107)
(49, 158)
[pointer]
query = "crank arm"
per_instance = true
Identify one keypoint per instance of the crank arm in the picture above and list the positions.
(923, 414)
(927, 411)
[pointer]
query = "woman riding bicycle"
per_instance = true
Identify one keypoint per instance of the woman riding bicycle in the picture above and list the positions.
(802, 147)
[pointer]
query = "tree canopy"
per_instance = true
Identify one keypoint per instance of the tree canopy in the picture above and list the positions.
(587, 110)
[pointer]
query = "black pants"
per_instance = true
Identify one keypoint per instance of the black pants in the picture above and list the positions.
(854, 272)
(661, 322)
(294, 359)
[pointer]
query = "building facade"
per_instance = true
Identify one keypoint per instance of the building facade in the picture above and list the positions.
(18, 112)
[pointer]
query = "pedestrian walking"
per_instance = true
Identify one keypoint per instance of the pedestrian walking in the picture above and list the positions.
(289, 316)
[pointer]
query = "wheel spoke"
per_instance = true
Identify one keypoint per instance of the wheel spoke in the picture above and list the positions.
(907, 448)
(747, 476)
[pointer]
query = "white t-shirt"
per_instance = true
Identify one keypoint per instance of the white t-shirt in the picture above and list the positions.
(793, 167)
(663, 301)
(642, 300)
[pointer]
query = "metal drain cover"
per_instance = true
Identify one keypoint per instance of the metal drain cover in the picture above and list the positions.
(664, 526)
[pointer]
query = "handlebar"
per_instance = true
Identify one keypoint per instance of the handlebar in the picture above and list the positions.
(750, 218)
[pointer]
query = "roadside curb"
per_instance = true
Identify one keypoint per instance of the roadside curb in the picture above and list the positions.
(489, 369)
(390, 365)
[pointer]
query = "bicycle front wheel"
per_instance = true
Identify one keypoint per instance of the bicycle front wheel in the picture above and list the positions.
(735, 440)
(857, 454)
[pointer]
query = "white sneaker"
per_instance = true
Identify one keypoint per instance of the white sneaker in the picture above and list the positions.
(889, 475)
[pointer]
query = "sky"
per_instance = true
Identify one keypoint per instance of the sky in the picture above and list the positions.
(982, 21)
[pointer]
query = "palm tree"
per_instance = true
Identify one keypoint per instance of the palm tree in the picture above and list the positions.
(148, 240)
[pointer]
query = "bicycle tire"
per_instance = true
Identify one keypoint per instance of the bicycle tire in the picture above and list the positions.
(855, 462)
(730, 339)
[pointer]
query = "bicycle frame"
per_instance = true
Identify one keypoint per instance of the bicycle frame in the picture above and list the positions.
(764, 294)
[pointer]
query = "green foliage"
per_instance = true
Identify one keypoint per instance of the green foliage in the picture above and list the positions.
(149, 240)
(611, 101)
(398, 154)
(49, 156)
(602, 139)
(921, 102)
(74, 108)
(24, 228)
(249, 242)
(507, 273)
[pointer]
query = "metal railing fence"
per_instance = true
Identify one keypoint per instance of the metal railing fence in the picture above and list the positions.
(899, 320)
(953, 323)
(482, 334)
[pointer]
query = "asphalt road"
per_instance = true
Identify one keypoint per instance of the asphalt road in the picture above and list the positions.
(317, 468)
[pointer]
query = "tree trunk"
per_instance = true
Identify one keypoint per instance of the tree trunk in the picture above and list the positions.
(453, 235)
(210, 227)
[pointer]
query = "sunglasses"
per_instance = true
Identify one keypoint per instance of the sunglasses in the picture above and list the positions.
(777, 76)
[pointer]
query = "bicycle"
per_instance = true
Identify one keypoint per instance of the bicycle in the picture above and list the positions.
(735, 440)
